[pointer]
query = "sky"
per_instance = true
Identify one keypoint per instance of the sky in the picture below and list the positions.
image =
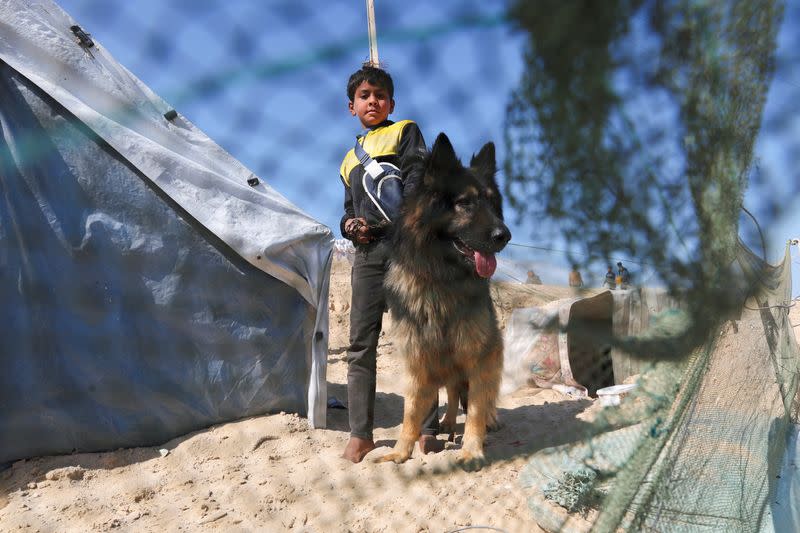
(266, 80)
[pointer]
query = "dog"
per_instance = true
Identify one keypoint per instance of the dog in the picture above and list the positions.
(437, 287)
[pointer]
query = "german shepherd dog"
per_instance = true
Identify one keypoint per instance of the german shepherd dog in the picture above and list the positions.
(437, 287)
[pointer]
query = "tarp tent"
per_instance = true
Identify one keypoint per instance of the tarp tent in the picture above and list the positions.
(567, 344)
(562, 345)
(147, 289)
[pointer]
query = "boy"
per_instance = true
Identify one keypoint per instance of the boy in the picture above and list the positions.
(575, 279)
(624, 276)
(370, 91)
(611, 278)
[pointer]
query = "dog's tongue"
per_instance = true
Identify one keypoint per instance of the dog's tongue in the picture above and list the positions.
(485, 264)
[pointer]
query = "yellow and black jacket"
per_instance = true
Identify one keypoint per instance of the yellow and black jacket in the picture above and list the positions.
(391, 142)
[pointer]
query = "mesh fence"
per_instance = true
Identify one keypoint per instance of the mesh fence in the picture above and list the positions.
(596, 433)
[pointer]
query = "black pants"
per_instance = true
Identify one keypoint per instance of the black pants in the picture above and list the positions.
(366, 318)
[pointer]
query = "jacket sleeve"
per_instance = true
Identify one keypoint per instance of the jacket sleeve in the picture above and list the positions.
(410, 151)
(349, 212)
(411, 147)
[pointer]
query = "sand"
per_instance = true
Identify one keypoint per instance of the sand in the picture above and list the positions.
(274, 473)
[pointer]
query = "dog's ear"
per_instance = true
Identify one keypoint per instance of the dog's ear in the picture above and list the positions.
(443, 160)
(484, 162)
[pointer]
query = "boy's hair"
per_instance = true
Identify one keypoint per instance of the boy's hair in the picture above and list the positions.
(374, 75)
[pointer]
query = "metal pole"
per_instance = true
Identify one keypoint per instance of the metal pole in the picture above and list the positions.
(373, 35)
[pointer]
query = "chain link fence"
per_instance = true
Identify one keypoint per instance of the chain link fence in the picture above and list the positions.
(593, 434)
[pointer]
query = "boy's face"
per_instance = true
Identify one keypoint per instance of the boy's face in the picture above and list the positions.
(371, 104)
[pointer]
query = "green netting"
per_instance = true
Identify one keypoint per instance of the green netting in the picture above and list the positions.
(699, 445)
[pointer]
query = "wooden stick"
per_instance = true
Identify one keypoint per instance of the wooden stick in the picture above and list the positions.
(373, 35)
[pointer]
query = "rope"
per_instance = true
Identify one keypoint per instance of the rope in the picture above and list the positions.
(758, 226)
(373, 35)
(778, 306)
(575, 253)
(792, 303)
(529, 288)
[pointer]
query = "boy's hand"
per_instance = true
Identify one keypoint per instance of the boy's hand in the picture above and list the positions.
(351, 224)
(357, 229)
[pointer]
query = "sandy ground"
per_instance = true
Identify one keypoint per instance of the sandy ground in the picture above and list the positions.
(273, 473)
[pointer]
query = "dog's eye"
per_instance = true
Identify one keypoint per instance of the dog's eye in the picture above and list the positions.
(464, 202)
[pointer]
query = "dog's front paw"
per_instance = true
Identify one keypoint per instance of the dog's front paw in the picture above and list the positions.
(471, 461)
(395, 457)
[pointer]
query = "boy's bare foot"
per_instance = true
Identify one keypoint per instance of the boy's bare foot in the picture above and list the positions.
(357, 448)
(430, 444)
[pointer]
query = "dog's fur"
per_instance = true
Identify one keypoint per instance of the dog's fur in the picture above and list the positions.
(440, 305)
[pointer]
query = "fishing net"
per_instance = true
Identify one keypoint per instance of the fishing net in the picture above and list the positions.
(699, 444)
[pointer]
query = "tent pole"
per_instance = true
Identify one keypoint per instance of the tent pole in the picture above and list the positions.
(373, 35)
